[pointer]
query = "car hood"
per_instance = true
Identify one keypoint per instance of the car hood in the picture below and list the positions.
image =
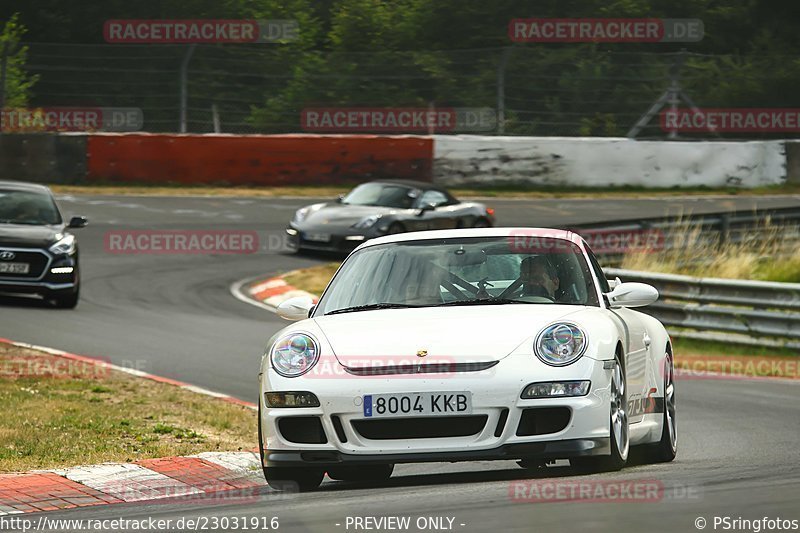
(26, 236)
(448, 334)
(343, 214)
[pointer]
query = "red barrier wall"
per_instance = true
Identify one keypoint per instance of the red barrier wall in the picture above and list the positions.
(256, 159)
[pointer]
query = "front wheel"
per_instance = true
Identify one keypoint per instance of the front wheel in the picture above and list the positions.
(620, 438)
(293, 479)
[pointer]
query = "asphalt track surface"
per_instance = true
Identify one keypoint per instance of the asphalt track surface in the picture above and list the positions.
(174, 315)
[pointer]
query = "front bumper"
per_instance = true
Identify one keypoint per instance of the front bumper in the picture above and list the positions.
(537, 450)
(495, 396)
(346, 242)
(48, 283)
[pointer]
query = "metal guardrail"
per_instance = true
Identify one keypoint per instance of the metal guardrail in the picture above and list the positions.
(736, 311)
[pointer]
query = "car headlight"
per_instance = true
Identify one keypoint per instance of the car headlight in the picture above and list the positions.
(366, 222)
(301, 214)
(294, 355)
(560, 344)
(64, 246)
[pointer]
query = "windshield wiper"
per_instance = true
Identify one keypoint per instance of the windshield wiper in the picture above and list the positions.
(484, 301)
(370, 307)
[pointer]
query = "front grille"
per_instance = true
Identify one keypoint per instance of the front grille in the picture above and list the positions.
(420, 427)
(543, 420)
(302, 429)
(432, 368)
(37, 260)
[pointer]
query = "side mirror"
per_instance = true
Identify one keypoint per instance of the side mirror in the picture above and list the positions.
(612, 283)
(296, 308)
(632, 295)
(78, 222)
(424, 208)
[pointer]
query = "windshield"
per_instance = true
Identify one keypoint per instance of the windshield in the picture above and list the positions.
(26, 207)
(464, 271)
(383, 195)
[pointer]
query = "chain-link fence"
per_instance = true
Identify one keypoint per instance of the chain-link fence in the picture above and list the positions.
(532, 90)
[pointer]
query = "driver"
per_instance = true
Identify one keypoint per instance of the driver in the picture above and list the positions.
(538, 277)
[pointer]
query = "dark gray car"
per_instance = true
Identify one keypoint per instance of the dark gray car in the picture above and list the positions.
(380, 208)
(38, 255)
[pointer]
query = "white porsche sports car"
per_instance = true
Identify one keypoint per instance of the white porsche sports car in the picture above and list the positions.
(460, 345)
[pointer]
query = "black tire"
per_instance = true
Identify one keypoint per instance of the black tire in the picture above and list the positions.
(620, 446)
(666, 448)
(481, 223)
(68, 300)
(293, 478)
(394, 228)
(361, 474)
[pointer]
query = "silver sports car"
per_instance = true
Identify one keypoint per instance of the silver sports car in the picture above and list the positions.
(380, 208)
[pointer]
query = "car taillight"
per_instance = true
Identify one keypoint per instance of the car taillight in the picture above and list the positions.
(489, 211)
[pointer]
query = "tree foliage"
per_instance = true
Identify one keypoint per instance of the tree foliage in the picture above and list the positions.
(17, 83)
(448, 52)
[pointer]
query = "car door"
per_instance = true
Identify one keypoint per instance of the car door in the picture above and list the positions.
(636, 343)
(442, 216)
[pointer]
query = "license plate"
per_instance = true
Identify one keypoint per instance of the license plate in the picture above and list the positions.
(417, 404)
(318, 237)
(15, 268)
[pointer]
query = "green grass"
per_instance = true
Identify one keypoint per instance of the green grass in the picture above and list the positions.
(785, 270)
(696, 347)
(84, 416)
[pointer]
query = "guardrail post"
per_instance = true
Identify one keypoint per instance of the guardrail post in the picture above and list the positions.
(724, 229)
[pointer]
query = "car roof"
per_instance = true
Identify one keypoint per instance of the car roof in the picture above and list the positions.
(513, 232)
(24, 186)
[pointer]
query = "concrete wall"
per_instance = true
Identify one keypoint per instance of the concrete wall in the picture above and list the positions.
(451, 160)
(602, 162)
(43, 157)
(257, 159)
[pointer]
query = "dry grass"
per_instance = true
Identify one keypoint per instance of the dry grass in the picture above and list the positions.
(313, 279)
(768, 252)
(59, 413)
